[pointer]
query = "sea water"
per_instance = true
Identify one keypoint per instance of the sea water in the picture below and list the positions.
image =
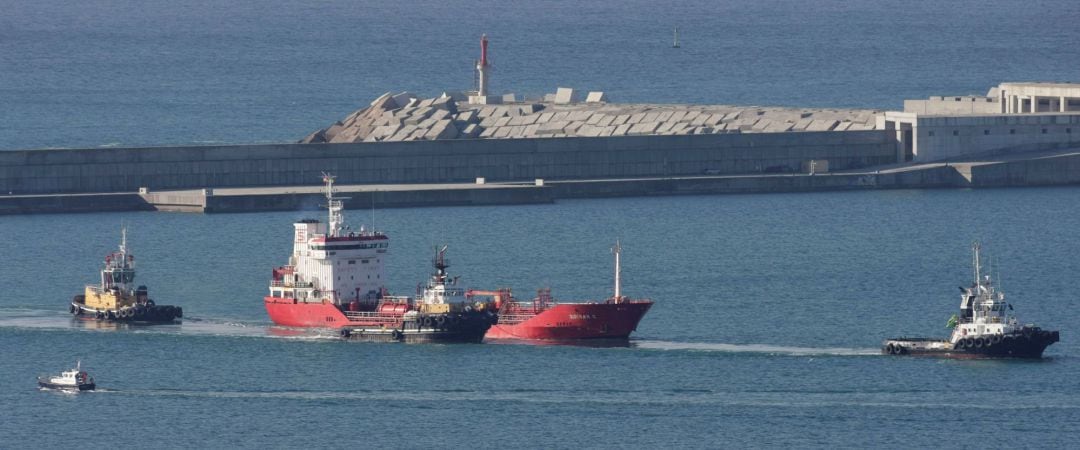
(770, 309)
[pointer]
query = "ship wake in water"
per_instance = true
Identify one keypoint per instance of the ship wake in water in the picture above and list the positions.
(767, 349)
(192, 326)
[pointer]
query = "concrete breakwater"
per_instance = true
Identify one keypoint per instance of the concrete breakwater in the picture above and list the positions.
(1023, 170)
(450, 161)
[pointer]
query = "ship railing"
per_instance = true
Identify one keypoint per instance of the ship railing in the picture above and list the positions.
(276, 283)
(395, 299)
(511, 319)
(362, 315)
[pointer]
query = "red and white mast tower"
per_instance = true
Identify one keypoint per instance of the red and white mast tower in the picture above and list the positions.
(482, 67)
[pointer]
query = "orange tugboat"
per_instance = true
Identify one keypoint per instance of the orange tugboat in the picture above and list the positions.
(548, 320)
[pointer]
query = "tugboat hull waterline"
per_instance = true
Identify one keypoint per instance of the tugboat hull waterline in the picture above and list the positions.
(983, 329)
(335, 280)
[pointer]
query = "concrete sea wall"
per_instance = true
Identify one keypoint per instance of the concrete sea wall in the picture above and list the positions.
(161, 168)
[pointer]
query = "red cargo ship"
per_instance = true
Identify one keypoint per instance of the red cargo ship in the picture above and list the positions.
(546, 319)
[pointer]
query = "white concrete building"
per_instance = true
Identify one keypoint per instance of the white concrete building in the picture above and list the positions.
(1013, 117)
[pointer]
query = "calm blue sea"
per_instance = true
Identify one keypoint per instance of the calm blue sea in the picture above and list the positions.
(769, 313)
(86, 73)
(769, 308)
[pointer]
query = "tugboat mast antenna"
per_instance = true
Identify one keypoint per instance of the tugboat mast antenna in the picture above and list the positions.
(978, 279)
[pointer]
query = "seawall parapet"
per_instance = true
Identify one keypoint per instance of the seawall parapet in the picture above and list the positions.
(450, 161)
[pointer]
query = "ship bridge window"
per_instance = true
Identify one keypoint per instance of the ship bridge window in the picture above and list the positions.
(352, 261)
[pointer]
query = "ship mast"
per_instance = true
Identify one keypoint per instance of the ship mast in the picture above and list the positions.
(334, 207)
(123, 244)
(440, 263)
(618, 270)
(978, 279)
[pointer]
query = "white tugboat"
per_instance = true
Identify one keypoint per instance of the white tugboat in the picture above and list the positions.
(984, 328)
(116, 298)
(71, 380)
(334, 279)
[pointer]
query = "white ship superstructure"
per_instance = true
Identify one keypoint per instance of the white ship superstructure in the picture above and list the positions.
(331, 262)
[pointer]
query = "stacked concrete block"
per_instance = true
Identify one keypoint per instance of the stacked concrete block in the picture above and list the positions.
(442, 129)
(552, 127)
(530, 108)
(471, 131)
(403, 133)
(439, 114)
(564, 96)
(469, 116)
(778, 127)
(403, 99)
(383, 132)
(644, 128)
(405, 117)
(822, 125)
(596, 97)
(419, 114)
(802, 124)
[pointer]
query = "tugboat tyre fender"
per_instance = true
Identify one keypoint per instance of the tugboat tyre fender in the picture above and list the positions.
(345, 333)
(179, 312)
(969, 342)
(427, 321)
(440, 321)
(889, 349)
(995, 339)
(978, 342)
(72, 309)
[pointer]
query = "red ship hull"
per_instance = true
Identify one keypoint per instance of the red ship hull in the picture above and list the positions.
(571, 321)
(284, 312)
